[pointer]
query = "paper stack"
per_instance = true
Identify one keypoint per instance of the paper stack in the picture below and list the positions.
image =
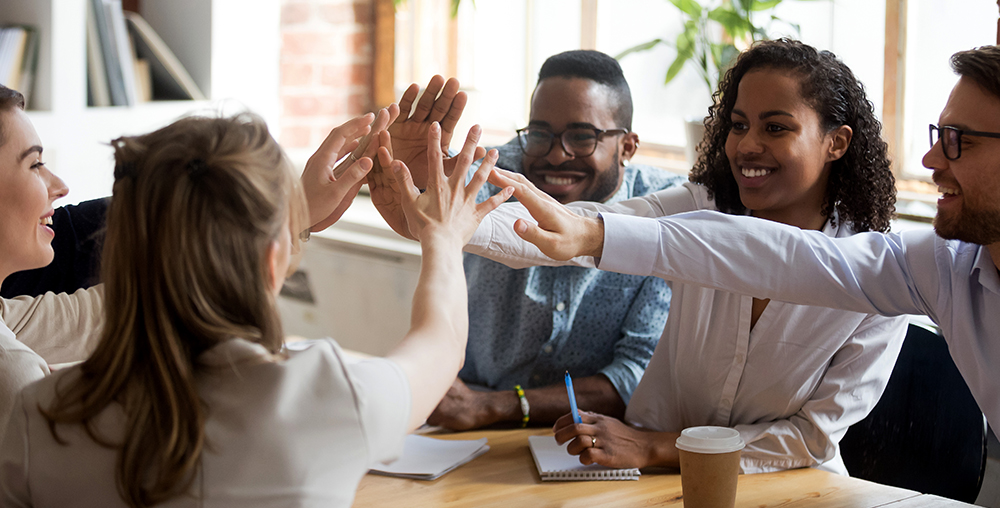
(426, 458)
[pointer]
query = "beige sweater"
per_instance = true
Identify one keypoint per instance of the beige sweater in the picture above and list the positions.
(41, 331)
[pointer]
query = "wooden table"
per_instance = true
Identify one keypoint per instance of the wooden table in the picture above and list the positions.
(506, 476)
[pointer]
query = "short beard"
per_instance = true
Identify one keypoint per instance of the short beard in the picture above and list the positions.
(607, 182)
(981, 227)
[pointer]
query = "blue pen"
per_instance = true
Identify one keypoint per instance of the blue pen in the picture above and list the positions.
(572, 399)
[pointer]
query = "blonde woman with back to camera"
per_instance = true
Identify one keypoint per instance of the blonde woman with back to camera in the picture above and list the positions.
(189, 398)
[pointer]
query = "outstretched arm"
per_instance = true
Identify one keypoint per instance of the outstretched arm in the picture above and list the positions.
(442, 218)
(559, 233)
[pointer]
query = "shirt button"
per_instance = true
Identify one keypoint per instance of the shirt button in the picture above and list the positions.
(560, 306)
(547, 348)
(537, 377)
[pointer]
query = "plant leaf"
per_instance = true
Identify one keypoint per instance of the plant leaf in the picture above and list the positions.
(455, 4)
(745, 5)
(675, 68)
(689, 7)
(646, 46)
(685, 50)
(763, 5)
(735, 25)
(727, 58)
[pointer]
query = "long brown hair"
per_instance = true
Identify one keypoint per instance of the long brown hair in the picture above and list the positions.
(196, 207)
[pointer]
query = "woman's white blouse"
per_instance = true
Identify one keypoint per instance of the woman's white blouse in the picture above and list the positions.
(38, 331)
(791, 386)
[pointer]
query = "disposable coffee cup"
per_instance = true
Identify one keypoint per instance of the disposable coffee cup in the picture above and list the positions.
(710, 463)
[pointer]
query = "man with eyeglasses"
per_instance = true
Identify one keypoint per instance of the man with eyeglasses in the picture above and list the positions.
(951, 274)
(528, 327)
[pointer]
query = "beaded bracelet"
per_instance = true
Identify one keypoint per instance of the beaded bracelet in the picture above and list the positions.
(524, 405)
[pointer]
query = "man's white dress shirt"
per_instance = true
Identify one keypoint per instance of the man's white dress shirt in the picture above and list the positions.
(954, 283)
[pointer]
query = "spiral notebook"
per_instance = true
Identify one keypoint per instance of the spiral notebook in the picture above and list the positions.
(556, 464)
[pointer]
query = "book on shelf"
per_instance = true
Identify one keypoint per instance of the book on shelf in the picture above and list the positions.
(128, 63)
(169, 79)
(123, 48)
(18, 59)
(97, 79)
(109, 51)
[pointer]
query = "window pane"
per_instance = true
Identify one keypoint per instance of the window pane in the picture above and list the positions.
(936, 30)
(660, 110)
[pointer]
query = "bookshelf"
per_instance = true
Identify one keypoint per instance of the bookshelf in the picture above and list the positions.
(230, 48)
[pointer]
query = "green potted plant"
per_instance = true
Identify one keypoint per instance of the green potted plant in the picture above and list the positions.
(715, 31)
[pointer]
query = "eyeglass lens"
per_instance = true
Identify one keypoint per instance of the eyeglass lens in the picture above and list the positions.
(950, 140)
(577, 142)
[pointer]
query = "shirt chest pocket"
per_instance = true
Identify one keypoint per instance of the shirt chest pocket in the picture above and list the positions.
(607, 300)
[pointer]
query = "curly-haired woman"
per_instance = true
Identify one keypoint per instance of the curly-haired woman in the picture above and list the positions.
(791, 138)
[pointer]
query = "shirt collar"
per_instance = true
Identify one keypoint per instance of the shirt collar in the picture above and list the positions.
(236, 352)
(987, 275)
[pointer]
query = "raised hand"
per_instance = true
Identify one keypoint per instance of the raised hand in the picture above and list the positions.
(443, 218)
(559, 233)
(448, 206)
(385, 190)
(330, 190)
(441, 102)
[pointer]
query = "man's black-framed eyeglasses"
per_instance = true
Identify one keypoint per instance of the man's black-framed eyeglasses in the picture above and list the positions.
(951, 139)
(577, 142)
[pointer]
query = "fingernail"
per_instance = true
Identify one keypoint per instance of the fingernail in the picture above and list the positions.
(435, 127)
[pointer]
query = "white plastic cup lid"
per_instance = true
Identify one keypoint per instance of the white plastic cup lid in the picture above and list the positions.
(710, 440)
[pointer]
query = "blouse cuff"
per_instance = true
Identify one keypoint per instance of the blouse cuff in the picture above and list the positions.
(630, 244)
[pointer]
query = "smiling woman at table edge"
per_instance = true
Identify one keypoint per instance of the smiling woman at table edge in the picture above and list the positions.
(27, 190)
(189, 387)
(792, 139)
(951, 274)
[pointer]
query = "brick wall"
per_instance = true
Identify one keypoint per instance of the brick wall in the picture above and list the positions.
(326, 68)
